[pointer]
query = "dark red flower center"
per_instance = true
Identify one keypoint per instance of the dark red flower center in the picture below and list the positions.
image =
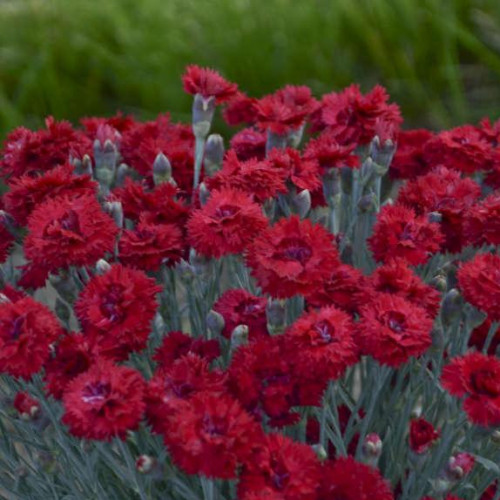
(225, 211)
(486, 382)
(213, 426)
(68, 222)
(396, 321)
(249, 307)
(325, 331)
(279, 475)
(408, 232)
(111, 306)
(96, 392)
(295, 249)
(16, 327)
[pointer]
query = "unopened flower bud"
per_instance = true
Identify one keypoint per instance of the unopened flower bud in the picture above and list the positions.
(185, 271)
(382, 154)
(451, 307)
(162, 169)
(145, 464)
(121, 173)
(301, 203)
(320, 452)
(114, 208)
(275, 314)
(105, 157)
(203, 112)
(367, 203)
(439, 282)
(214, 154)
(495, 436)
(434, 217)
(239, 336)
(204, 194)
(83, 166)
(215, 322)
(372, 449)
(27, 407)
(102, 266)
(158, 323)
(459, 466)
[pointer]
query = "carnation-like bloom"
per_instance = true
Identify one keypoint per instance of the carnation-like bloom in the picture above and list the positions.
(226, 224)
(240, 307)
(482, 221)
(6, 242)
(211, 434)
(479, 281)
(392, 330)
(399, 233)
(479, 335)
(477, 377)
(208, 83)
(104, 402)
(27, 329)
(324, 341)
(27, 406)
(240, 110)
(116, 309)
(292, 257)
(249, 143)
(288, 469)
(150, 245)
(346, 479)
(422, 435)
(409, 160)
(67, 232)
(28, 191)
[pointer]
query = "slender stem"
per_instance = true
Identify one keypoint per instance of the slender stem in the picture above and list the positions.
(199, 148)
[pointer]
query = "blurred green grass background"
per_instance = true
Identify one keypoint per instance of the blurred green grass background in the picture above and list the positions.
(439, 59)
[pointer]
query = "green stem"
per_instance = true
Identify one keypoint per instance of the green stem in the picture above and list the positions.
(199, 147)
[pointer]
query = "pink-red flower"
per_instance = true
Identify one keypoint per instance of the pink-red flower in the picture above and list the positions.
(249, 143)
(208, 83)
(240, 110)
(422, 435)
(477, 377)
(482, 221)
(409, 160)
(479, 335)
(6, 241)
(27, 406)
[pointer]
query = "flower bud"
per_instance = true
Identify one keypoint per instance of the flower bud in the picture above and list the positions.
(162, 169)
(203, 193)
(301, 203)
(214, 154)
(27, 407)
(159, 323)
(382, 154)
(185, 271)
(121, 173)
(83, 166)
(452, 306)
(102, 266)
(203, 113)
(105, 157)
(367, 203)
(372, 449)
(215, 322)
(495, 436)
(114, 208)
(459, 466)
(145, 464)
(320, 452)
(239, 336)
(275, 314)
(439, 282)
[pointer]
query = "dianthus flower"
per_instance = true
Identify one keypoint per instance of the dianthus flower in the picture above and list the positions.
(300, 172)
(27, 329)
(211, 434)
(324, 342)
(479, 335)
(116, 309)
(240, 110)
(399, 233)
(65, 232)
(346, 479)
(329, 153)
(490, 492)
(342, 288)
(226, 224)
(28, 191)
(119, 123)
(351, 116)
(422, 435)
(254, 177)
(148, 246)
(208, 83)
(476, 376)
(27, 152)
(397, 278)
(104, 402)
(27, 406)
(445, 192)
(74, 354)
(249, 143)
(185, 377)
(409, 161)
(292, 257)
(462, 148)
(482, 221)
(240, 307)
(177, 344)
(6, 242)
(392, 330)
(284, 467)
(479, 280)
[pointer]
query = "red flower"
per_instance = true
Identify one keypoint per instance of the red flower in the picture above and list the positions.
(177, 344)
(490, 492)
(67, 232)
(116, 309)
(409, 160)
(226, 224)
(351, 116)
(324, 342)
(477, 377)
(27, 329)
(462, 148)
(422, 435)
(27, 406)
(240, 307)
(347, 479)
(104, 402)
(331, 154)
(459, 465)
(482, 221)
(292, 257)
(283, 467)
(249, 143)
(254, 177)
(119, 123)
(240, 110)
(301, 172)
(28, 191)
(479, 335)
(344, 288)
(208, 83)
(445, 192)
(211, 434)
(74, 354)
(6, 242)
(397, 278)
(479, 280)
(148, 246)
(399, 233)
(27, 152)
(392, 330)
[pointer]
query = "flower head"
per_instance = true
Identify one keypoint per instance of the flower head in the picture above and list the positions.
(409, 160)
(482, 221)
(208, 83)
(422, 435)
